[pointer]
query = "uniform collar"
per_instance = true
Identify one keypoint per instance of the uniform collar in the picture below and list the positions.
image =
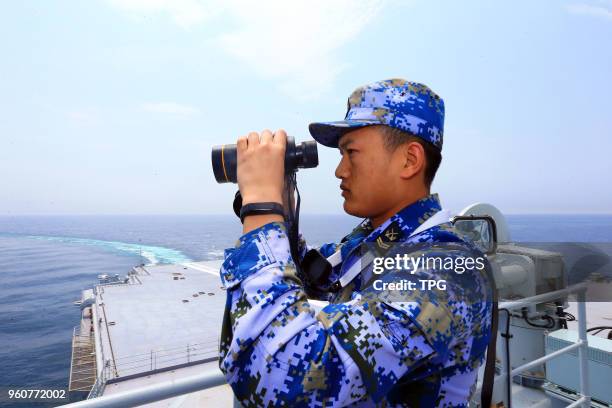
(408, 219)
(404, 223)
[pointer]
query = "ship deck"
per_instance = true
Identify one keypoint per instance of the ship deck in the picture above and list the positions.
(166, 316)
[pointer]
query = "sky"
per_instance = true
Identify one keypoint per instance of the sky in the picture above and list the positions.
(112, 106)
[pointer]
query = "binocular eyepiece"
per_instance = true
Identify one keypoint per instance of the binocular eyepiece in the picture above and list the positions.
(302, 156)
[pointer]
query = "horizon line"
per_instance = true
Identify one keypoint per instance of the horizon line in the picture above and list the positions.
(231, 214)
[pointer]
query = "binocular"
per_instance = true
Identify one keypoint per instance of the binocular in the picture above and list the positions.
(302, 156)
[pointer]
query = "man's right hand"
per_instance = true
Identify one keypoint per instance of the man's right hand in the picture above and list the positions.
(261, 166)
(260, 173)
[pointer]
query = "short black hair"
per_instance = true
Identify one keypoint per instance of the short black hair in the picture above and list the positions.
(394, 138)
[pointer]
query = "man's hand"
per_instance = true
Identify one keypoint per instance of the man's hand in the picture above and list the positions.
(260, 172)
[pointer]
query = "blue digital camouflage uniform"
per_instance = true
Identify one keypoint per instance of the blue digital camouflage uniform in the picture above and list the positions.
(366, 348)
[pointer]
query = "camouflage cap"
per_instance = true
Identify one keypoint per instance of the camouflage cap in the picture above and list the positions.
(401, 104)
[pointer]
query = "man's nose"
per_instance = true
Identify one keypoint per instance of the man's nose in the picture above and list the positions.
(342, 171)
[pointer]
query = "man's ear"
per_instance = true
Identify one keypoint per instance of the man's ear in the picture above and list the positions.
(413, 157)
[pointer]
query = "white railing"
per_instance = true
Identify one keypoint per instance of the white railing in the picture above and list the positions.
(581, 345)
(215, 378)
(165, 357)
(155, 392)
(98, 387)
(97, 342)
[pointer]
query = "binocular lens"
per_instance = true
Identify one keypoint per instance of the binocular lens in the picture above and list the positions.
(224, 159)
(224, 163)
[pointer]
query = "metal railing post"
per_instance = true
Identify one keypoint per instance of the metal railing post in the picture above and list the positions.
(505, 364)
(583, 349)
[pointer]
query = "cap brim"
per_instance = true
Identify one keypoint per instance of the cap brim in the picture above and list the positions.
(328, 133)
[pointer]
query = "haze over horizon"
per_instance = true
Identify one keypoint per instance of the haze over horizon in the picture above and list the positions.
(112, 106)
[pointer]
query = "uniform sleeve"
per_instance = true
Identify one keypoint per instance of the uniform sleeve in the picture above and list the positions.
(275, 351)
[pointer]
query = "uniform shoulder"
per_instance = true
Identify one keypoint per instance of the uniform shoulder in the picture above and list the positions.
(445, 234)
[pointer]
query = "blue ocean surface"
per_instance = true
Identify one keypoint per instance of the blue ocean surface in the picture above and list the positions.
(46, 261)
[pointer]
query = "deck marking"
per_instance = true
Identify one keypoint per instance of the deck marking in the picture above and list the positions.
(201, 268)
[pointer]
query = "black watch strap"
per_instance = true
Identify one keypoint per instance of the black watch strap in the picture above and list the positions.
(261, 209)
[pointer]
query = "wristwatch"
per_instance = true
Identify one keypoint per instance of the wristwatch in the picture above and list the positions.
(261, 209)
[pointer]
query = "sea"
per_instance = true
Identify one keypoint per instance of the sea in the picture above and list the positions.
(46, 261)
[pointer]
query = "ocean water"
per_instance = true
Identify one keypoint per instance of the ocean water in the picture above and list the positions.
(46, 261)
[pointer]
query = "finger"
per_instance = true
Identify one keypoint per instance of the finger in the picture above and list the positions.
(266, 136)
(253, 139)
(280, 137)
(241, 144)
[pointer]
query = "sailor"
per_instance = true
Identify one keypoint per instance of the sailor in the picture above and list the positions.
(367, 347)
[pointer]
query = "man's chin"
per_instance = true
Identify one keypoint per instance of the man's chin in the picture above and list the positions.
(351, 209)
